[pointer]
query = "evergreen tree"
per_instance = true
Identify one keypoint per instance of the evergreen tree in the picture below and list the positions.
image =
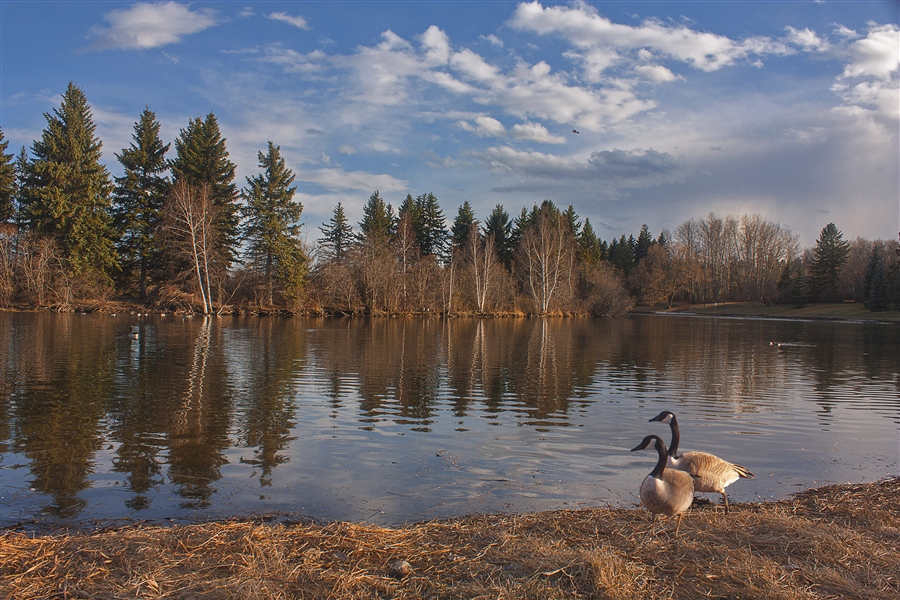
(138, 199)
(272, 225)
(829, 256)
(499, 226)
(7, 181)
(337, 234)
(66, 190)
(378, 220)
(201, 159)
(800, 288)
(462, 226)
(590, 246)
(431, 232)
(519, 225)
(785, 281)
(875, 287)
(643, 243)
(621, 254)
(572, 219)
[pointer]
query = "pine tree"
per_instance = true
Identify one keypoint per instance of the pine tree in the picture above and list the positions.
(138, 198)
(7, 181)
(272, 225)
(499, 226)
(378, 220)
(462, 226)
(66, 190)
(830, 254)
(337, 234)
(621, 254)
(201, 159)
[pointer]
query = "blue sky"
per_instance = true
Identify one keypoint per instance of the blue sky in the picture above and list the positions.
(790, 110)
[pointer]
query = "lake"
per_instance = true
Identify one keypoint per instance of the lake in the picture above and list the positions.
(116, 419)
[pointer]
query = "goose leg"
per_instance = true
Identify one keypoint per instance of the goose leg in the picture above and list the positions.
(724, 495)
(678, 523)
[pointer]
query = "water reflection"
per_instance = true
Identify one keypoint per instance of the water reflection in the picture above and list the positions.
(407, 418)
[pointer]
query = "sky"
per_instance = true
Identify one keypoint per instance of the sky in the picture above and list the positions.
(789, 110)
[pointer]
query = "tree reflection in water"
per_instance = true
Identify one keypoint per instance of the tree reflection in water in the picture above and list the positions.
(192, 412)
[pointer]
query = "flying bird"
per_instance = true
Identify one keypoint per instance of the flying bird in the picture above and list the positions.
(575, 131)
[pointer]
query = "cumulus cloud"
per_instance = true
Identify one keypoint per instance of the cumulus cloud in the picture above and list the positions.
(869, 86)
(600, 43)
(657, 73)
(876, 55)
(490, 127)
(807, 39)
(149, 25)
(296, 21)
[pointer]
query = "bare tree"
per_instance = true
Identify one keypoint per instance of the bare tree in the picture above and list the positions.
(189, 218)
(546, 258)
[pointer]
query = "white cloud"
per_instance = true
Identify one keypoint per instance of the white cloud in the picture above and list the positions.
(492, 39)
(807, 39)
(147, 25)
(490, 127)
(338, 179)
(296, 21)
(347, 149)
(602, 43)
(657, 73)
(625, 169)
(877, 54)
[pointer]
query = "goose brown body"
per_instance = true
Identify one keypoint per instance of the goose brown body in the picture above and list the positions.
(709, 472)
(665, 491)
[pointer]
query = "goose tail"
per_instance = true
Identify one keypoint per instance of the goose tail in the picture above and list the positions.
(742, 471)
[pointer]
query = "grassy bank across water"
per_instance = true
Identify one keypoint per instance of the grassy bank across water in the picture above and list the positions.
(848, 311)
(834, 542)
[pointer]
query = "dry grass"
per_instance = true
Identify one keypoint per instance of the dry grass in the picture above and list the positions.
(835, 542)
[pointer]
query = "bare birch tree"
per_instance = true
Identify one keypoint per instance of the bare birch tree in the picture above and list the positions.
(189, 218)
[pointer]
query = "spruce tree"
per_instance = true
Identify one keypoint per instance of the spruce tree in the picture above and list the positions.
(66, 190)
(499, 226)
(591, 249)
(829, 256)
(875, 287)
(337, 234)
(139, 197)
(201, 159)
(462, 226)
(432, 232)
(7, 181)
(272, 225)
(643, 243)
(377, 224)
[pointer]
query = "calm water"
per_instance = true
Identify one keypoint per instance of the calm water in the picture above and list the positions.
(397, 420)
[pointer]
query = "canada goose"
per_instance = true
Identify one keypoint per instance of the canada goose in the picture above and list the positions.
(665, 491)
(710, 473)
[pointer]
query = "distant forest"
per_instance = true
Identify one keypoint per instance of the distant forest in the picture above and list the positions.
(179, 235)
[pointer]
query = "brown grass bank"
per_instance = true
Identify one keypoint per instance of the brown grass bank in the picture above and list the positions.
(833, 542)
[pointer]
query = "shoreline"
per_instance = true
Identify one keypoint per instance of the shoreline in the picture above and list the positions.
(839, 540)
(850, 312)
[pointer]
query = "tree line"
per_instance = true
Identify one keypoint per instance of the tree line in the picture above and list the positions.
(178, 234)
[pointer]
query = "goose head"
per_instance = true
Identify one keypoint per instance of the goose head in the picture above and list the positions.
(665, 416)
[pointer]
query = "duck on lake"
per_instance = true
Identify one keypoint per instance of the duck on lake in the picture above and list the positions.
(665, 491)
(709, 472)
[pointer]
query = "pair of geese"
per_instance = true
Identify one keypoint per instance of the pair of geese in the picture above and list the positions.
(670, 486)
